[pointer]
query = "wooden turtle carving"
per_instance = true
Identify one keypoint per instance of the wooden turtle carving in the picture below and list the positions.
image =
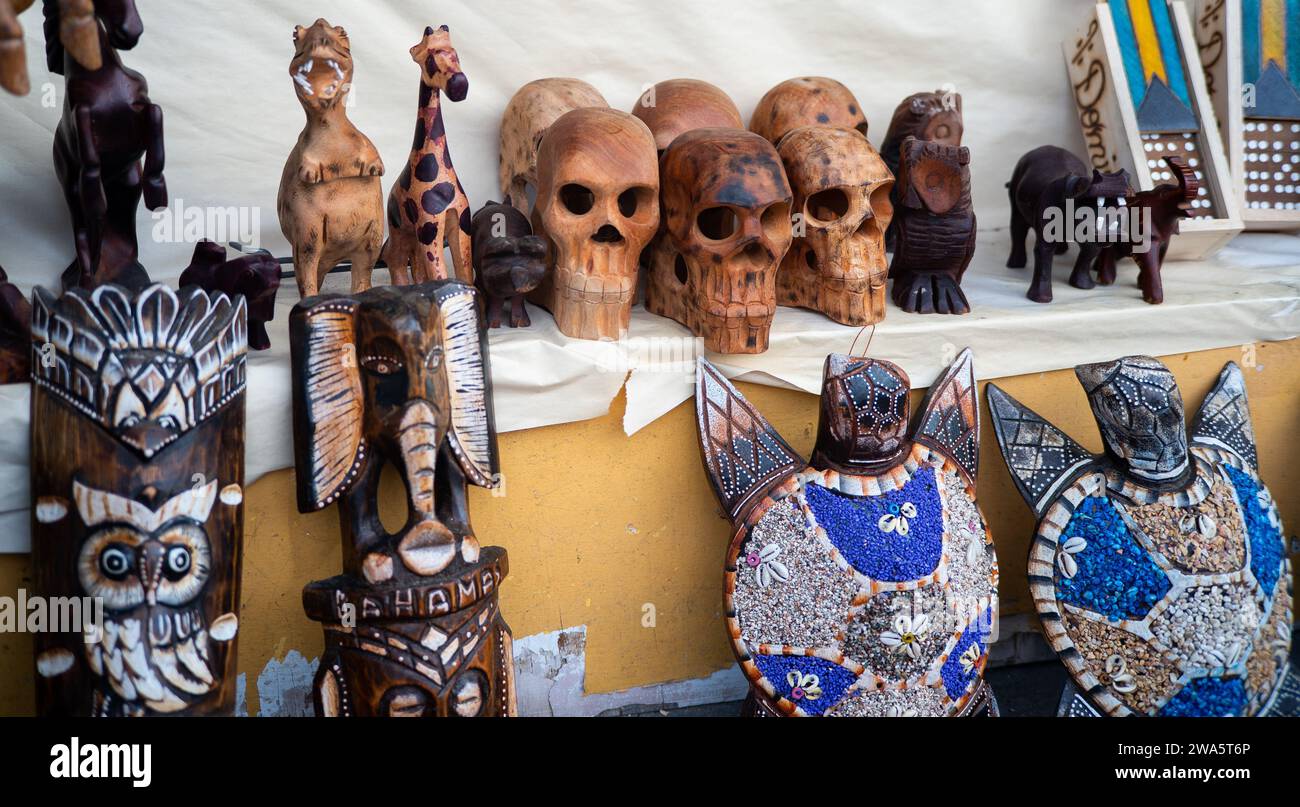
(1158, 568)
(862, 582)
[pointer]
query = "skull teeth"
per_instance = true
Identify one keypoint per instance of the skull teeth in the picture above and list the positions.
(582, 287)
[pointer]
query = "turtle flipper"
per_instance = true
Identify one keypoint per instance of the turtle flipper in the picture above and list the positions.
(1042, 458)
(1223, 421)
(744, 456)
(950, 415)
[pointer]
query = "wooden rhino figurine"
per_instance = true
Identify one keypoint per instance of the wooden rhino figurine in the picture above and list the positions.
(862, 582)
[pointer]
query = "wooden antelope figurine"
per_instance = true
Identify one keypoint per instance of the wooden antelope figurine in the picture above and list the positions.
(428, 208)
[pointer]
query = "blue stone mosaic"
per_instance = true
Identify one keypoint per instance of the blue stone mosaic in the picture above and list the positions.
(1266, 544)
(1208, 697)
(1116, 577)
(956, 679)
(853, 525)
(833, 679)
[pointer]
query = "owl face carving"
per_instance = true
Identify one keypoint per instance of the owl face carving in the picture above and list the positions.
(150, 568)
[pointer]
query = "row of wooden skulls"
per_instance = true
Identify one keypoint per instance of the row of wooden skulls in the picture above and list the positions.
(725, 222)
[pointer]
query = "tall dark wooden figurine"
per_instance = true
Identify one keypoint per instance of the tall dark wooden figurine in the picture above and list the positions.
(137, 497)
(108, 124)
(15, 332)
(509, 261)
(1047, 182)
(935, 228)
(862, 582)
(399, 376)
(427, 207)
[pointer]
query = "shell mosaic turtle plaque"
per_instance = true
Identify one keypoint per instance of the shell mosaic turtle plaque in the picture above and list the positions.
(1158, 569)
(862, 582)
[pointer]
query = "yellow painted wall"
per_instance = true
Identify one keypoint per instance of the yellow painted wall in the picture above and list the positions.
(599, 524)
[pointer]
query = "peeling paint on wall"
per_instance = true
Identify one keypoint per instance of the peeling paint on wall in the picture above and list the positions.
(283, 688)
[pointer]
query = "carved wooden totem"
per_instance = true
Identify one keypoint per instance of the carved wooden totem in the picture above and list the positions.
(399, 376)
(78, 33)
(726, 226)
(509, 262)
(807, 101)
(137, 497)
(108, 124)
(935, 226)
(597, 207)
(530, 112)
(330, 203)
(427, 207)
(1168, 205)
(841, 193)
(1159, 569)
(674, 107)
(862, 582)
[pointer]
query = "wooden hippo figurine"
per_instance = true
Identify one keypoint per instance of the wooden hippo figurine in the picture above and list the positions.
(254, 277)
(509, 261)
(862, 582)
(1044, 181)
(330, 202)
(427, 207)
(1168, 204)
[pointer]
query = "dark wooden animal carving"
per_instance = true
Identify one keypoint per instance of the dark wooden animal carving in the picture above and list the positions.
(509, 261)
(428, 208)
(15, 331)
(1044, 181)
(398, 376)
(78, 34)
(330, 203)
(934, 116)
(862, 582)
(137, 437)
(108, 123)
(1166, 205)
(936, 228)
(254, 277)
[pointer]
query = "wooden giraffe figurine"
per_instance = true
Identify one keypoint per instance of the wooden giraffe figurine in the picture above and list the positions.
(427, 207)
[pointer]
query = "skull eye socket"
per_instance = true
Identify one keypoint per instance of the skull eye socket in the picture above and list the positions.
(717, 223)
(577, 199)
(636, 202)
(829, 205)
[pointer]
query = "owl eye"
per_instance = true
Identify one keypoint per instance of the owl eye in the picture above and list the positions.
(107, 568)
(178, 562)
(185, 565)
(115, 562)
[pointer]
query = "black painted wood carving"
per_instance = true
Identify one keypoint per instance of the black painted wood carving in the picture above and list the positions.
(256, 277)
(399, 376)
(509, 261)
(108, 124)
(137, 489)
(15, 332)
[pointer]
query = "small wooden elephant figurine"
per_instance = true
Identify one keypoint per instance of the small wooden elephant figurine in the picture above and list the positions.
(330, 203)
(1046, 182)
(509, 261)
(254, 277)
(427, 207)
(936, 228)
(1167, 205)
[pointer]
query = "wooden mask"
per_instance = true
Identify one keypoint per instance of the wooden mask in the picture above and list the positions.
(399, 375)
(137, 486)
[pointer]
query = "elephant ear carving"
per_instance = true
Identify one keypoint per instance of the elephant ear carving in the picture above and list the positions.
(472, 436)
(327, 400)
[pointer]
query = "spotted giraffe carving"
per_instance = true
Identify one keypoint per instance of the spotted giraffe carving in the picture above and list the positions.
(428, 208)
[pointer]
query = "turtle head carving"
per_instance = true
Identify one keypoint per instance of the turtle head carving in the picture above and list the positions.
(864, 412)
(1139, 411)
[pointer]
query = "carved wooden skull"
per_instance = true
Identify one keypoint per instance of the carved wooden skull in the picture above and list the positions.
(677, 106)
(841, 192)
(807, 101)
(726, 215)
(597, 207)
(531, 111)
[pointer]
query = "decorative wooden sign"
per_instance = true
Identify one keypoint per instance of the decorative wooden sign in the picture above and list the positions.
(935, 226)
(509, 262)
(1141, 97)
(255, 277)
(137, 497)
(427, 207)
(330, 203)
(598, 207)
(1159, 569)
(78, 34)
(1250, 50)
(398, 375)
(726, 227)
(108, 124)
(837, 264)
(674, 107)
(864, 582)
(806, 101)
(15, 333)
(530, 112)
